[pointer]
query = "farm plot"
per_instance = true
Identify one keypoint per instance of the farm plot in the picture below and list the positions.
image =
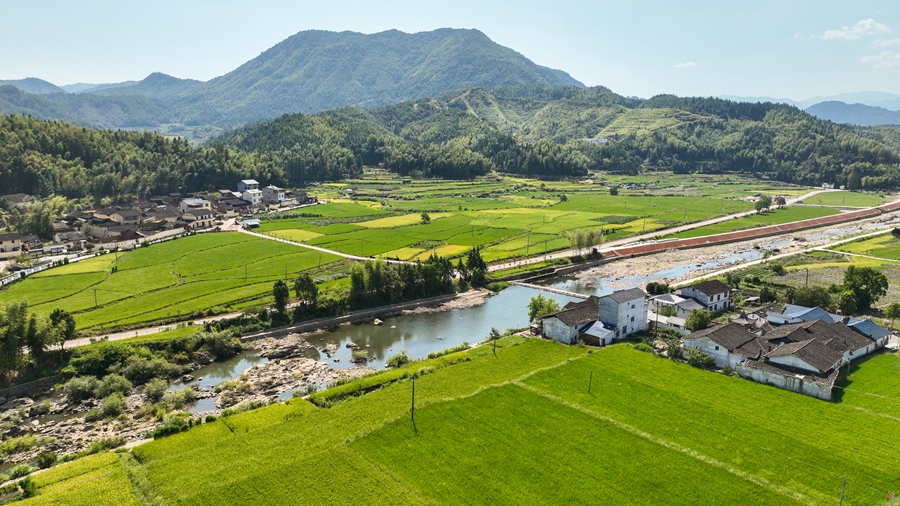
(756, 429)
(852, 199)
(95, 480)
(874, 385)
(884, 246)
(774, 217)
(481, 450)
(173, 279)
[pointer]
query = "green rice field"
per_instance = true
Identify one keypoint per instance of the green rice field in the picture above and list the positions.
(773, 217)
(883, 246)
(541, 423)
(846, 198)
(171, 280)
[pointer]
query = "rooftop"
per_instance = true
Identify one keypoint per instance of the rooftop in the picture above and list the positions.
(811, 351)
(577, 313)
(623, 296)
(710, 287)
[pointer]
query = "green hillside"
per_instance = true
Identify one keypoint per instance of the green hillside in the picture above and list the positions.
(519, 427)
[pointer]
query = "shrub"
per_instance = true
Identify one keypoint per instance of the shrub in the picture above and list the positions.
(173, 425)
(21, 470)
(106, 444)
(728, 371)
(440, 353)
(18, 444)
(674, 350)
(155, 389)
(4, 477)
(398, 360)
(698, 319)
(113, 405)
(29, 489)
(113, 383)
(644, 347)
(141, 369)
(178, 398)
(81, 388)
(46, 459)
(778, 269)
(697, 358)
(497, 286)
(93, 415)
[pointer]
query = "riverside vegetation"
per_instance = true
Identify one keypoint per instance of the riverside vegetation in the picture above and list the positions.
(732, 436)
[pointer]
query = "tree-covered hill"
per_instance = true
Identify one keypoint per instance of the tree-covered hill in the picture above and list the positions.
(56, 158)
(546, 131)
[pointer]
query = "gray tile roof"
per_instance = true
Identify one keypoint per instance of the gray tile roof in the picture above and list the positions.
(813, 352)
(827, 380)
(711, 287)
(735, 339)
(627, 295)
(577, 313)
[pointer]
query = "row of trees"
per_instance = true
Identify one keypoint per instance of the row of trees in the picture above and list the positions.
(25, 337)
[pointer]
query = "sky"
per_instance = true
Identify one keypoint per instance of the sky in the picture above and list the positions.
(794, 49)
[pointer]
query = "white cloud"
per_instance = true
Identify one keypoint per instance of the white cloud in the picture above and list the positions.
(883, 43)
(685, 65)
(861, 29)
(882, 60)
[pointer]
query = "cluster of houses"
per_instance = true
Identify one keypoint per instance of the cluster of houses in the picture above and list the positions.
(796, 348)
(149, 216)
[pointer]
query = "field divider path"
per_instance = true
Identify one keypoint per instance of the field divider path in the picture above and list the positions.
(317, 248)
(882, 259)
(670, 445)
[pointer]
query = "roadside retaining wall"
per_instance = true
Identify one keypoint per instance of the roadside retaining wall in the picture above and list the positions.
(30, 389)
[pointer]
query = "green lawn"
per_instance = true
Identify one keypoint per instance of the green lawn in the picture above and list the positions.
(521, 428)
(164, 281)
(874, 385)
(773, 217)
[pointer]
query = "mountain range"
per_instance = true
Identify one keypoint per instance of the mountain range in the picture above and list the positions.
(308, 72)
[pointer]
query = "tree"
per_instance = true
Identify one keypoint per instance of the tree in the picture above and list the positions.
(896, 233)
(780, 202)
(892, 311)
(613, 190)
(305, 289)
(733, 280)
(477, 267)
(854, 181)
(812, 296)
(540, 306)
(426, 219)
(767, 294)
(63, 327)
(655, 288)
(846, 302)
(866, 283)
(282, 296)
(763, 204)
(697, 320)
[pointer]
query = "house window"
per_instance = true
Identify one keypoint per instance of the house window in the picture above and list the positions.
(632, 318)
(632, 306)
(719, 297)
(717, 348)
(624, 329)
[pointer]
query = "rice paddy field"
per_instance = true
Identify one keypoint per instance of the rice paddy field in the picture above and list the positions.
(537, 423)
(772, 217)
(514, 217)
(167, 281)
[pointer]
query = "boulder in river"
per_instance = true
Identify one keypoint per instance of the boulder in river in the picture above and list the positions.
(377, 322)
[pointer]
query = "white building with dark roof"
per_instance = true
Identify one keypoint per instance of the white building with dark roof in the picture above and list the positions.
(728, 344)
(625, 311)
(566, 324)
(713, 294)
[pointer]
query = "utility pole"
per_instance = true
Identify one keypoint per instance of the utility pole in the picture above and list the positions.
(412, 409)
(643, 224)
(590, 381)
(807, 277)
(843, 489)
(285, 272)
(320, 260)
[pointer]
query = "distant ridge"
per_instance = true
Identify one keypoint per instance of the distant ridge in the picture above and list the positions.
(34, 85)
(854, 114)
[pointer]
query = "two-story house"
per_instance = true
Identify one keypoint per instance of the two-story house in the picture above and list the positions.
(626, 310)
(714, 295)
(273, 194)
(246, 185)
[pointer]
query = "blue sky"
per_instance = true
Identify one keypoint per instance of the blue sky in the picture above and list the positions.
(786, 48)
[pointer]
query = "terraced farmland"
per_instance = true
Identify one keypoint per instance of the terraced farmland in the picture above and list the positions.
(165, 281)
(521, 427)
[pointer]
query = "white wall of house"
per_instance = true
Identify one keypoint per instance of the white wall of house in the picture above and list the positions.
(720, 353)
(554, 328)
(628, 317)
(716, 302)
(792, 383)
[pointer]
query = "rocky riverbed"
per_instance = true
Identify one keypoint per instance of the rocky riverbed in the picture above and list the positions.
(60, 425)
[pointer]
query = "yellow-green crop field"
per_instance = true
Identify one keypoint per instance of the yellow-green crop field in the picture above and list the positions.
(523, 427)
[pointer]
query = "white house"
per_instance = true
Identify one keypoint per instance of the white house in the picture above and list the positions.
(729, 344)
(195, 205)
(681, 306)
(253, 196)
(567, 324)
(714, 295)
(273, 194)
(625, 310)
(797, 314)
(247, 184)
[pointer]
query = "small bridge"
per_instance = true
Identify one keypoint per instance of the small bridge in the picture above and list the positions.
(550, 289)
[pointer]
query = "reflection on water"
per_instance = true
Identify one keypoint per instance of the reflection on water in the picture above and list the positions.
(420, 334)
(217, 372)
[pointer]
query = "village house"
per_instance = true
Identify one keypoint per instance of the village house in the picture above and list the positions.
(680, 306)
(625, 310)
(797, 314)
(713, 295)
(246, 185)
(71, 239)
(195, 205)
(233, 207)
(254, 197)
(125, 216)
(16, 200)
(566, 324)
(728, 344)
(200, 217)
(273, 195)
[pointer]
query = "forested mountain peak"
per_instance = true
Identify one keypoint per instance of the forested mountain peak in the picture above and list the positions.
(34, 85)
